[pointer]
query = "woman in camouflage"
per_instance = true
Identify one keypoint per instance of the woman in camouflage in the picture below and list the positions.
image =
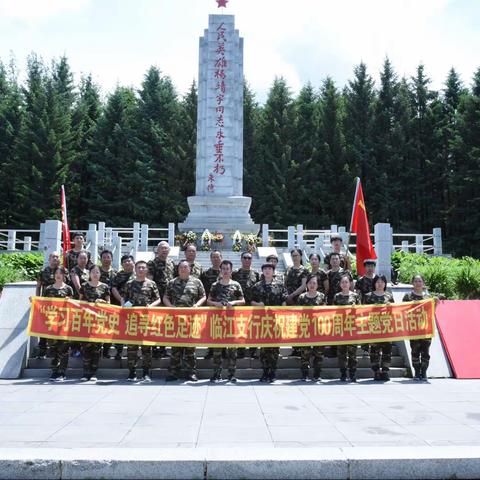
(347, 354)
(380, 353)
(321, 274)
(96, 292)
(312, 297)
(420, 348)
(59, 348)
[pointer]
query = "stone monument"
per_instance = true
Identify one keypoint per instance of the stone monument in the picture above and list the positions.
(219, 204)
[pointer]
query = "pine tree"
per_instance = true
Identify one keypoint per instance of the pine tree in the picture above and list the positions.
(251, 112)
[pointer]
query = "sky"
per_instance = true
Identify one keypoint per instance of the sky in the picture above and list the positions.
(301, 40)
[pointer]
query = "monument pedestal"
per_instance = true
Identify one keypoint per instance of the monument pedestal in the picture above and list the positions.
(219, 214)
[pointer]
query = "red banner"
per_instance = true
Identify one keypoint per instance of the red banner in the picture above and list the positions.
(230, 327)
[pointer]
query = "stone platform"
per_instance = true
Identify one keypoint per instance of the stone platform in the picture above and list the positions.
(116, 430)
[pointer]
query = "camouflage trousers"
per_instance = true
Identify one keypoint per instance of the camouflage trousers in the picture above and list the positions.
(59, 352)
(132, 357)
(231, 359)
(347, 357)
(269, 357)
(91, 357)
(420, 353)
(42, 346)
(185, 354)
(307, 353)
(381, 356)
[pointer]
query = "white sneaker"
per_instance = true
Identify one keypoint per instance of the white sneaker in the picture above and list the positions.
(93, 378)
(84, 379)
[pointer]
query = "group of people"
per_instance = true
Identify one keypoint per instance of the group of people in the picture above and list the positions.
(188, 284)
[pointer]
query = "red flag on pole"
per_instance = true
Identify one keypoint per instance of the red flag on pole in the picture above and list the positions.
(65, 229)
(359, 225)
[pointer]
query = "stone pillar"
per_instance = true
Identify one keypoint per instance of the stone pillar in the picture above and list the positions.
(437, 241)
(144, 238)
(92, 240)
(300, 236)
(383, 248)
(12, 240)
(27, 244)
(101, 235)
(52, 238)
(265, 235)
(171, 234)
(418, 243)
(405, 247)
(291, 237)
(117, 250)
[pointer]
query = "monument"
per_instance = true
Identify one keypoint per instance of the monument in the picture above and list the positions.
(219, 204)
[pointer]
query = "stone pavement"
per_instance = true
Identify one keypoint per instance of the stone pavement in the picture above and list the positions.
(402, 417)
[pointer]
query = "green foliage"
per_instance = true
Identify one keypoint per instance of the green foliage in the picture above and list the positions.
(17, 267)
(454, 278)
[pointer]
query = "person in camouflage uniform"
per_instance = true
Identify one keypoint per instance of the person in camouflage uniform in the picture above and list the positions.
(46, 278)
(118, 289)
(273, 259)
(225, 293)
(269, 292)
(141, 292)
(337, 243)
(107, 275)
(59, 348)
(161, 270)
(420, 348)
(184, 291)
(79, 274)
(247, 278)
(312, 297)
(364, 285)
(347, 354)
(380, 353)
(71, 257)
(196, 269)
(322, 277)
(208, 278)
(93, 291)
(334, 275)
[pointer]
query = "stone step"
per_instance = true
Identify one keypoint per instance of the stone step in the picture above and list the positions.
(243, 374)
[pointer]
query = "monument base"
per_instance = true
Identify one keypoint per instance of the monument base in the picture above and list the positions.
(219, 214)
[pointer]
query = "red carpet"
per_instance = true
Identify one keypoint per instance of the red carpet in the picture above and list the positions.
(458, 322)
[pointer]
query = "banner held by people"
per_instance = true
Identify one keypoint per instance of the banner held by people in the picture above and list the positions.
(74, 320)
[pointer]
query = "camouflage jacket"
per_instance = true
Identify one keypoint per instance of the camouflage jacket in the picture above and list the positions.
(305, 300)
(226, 293)
(46, 277)
(71, 258)
(107, 277)
(343, 260)
(208, 278)
(413, 297)
(141, 294)
(334, 282)
(92, 294)
(121, 279)
(185, 293)
(161, 271)
(52, 292)
(363, 286)
(372, 299)
(350, 299)
(247, 279)
(83, 276)
(196, 270)
(271, 294)
(294, 277)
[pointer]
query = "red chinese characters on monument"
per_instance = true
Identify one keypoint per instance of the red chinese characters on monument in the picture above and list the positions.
(220, 74)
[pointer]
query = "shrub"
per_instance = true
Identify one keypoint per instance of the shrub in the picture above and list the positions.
(17, 267)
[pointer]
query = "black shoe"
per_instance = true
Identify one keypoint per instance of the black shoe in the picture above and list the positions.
(53, 377)
(424, 375)
(377, 375)
(241, 353)
(232, 378)
(385, 376)
(132, 377)
(156, 353)
(304, 376)
(118, 356)
(352, 376)
(265, 375)
(272, 377)
(216, 377)
(316, 375)
(343, 376)
(192, 378)
(171, 378)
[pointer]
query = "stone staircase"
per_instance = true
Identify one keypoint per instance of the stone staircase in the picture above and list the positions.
(247, 368)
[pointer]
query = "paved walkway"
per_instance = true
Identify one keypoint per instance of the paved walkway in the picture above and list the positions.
(112, 414)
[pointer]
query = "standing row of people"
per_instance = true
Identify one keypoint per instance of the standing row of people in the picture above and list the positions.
(187, 284)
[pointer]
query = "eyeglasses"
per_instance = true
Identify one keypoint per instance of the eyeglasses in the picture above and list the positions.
(247, 258)
(295, 255)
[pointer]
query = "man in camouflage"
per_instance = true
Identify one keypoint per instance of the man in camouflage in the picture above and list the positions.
(45, 278)
(119, 289)
(337, 243)
(269, 292)
(71, 257)
(247, 277)
(225, 293)
(161, 270)
(196, 269)
(208, 278)
(79, 273)
(334, 275)
(364, 284)
(107, 275)
(183, 291)
(141, 292)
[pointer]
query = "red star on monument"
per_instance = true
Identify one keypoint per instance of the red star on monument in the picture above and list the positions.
(222, 3)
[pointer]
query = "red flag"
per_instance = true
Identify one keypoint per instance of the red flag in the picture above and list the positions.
(65, 230)
(360, 226)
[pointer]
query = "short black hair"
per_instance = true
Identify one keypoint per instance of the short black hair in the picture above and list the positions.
(215, 251)
(369, 261)
(334, 254)
(311, 277)
(418, 275)
(77, 234)
(126, 257)
(139, 262)
(91, 267)
(272, 256)
(105, 252)
(376, 278)
(314, 255)
(335, 237)
(345, 275)
(245, 253)
(299, 251)
(227, 262)
(183, 261)
(60, 269)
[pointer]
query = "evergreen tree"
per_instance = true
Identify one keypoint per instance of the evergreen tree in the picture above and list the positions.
(251, 112)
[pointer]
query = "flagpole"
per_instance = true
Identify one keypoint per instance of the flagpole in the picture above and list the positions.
(353, 210)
